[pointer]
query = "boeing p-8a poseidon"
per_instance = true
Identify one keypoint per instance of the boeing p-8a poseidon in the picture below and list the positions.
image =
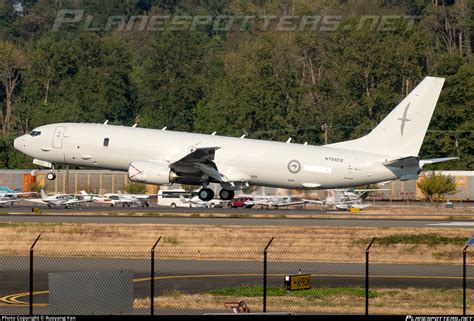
(388, 152)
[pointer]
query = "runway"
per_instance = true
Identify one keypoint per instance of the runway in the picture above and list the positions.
(316, 222)
(201, 276)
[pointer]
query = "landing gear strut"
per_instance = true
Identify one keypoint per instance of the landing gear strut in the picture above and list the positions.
(206, 194)
(226, 195)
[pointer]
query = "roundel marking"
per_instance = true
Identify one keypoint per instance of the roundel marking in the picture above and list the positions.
(294, 166)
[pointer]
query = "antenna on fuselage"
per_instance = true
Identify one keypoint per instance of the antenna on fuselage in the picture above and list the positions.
(106, 122)
(288, 141)
(214, 134)
(164, 128)
(305, 143)
(134, 125)
(243, 136)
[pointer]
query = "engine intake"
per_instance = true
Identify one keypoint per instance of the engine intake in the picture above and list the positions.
(149, 172)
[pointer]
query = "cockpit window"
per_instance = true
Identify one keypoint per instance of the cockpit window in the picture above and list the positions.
(34, 133)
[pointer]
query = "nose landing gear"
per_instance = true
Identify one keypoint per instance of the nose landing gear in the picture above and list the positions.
(51, 176)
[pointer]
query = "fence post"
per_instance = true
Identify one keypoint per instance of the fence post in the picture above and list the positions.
(464, 285)
(367, 277)
(265, 275)
(31, 272)
(152, 278)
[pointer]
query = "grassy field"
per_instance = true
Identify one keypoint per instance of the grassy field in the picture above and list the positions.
(233, 242)
(320, 300)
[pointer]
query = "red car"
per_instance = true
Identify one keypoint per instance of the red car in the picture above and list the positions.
(240, 202)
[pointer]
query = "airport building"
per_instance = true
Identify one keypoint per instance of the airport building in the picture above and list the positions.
(105, 181)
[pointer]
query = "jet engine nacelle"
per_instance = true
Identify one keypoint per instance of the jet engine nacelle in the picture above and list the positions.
(150, 172)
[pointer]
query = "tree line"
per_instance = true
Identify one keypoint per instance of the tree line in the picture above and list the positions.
(314, 86)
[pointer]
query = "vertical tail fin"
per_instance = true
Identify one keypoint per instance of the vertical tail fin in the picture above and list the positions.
(43, 194)
(401, 133)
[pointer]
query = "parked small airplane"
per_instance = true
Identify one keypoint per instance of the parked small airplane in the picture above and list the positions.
(273, 201)
(65, 200)
(194, 201)
(345, 199)
(10, 196)
(118, 198)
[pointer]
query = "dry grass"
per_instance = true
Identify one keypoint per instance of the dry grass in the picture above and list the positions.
(232, 242)
(386, 301)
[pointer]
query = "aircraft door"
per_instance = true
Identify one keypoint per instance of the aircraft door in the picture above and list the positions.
(58, 137)
(349, 174)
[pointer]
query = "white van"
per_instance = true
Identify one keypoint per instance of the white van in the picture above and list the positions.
(173, 198)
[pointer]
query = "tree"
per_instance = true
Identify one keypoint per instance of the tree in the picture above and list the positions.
(12, 64)
(435, 186)
(135, 188)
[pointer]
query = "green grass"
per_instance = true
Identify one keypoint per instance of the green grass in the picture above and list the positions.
(15, 225)
(170, 240)
(416, 239)
(314, 293)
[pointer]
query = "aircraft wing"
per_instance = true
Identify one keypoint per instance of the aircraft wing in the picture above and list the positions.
(371, 190)
(263, 202)
(313, 202)
(291, 203)
(35, 200)
(201, 159)
(200, 155)
(76, 201)
(7, 201)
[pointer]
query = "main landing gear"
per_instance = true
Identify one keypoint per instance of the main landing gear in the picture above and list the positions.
(207, 194)
(226, 195)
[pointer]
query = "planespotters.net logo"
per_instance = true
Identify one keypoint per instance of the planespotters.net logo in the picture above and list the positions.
(79, 20)
(438, 318)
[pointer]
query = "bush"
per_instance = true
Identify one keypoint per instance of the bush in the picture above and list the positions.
(435, 186)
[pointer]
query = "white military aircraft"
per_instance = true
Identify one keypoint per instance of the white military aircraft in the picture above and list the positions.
(389, 152)
(65, 200)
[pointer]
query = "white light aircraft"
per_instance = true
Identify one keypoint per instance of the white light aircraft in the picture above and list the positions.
(58, 200)
(346, 199)
(118, 198)
(194, 201)
(274, 202)
(9, 196)
(389, 152)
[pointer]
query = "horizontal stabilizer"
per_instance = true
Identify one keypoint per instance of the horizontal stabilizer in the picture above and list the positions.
(424, 162)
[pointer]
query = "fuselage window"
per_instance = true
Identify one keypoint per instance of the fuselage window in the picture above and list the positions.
(106, 142)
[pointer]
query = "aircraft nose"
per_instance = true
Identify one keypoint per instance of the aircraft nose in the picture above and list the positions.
(18, 143)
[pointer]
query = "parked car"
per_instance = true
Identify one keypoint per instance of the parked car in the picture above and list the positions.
(240, 202)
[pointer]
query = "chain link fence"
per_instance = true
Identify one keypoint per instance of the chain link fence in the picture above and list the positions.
(197, 276)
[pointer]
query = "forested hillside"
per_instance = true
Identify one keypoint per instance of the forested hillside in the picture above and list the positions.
(315, 83)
